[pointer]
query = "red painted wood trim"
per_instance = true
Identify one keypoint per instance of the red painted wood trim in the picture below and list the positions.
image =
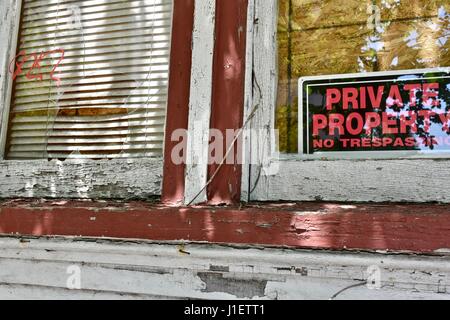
(178, 97)
(415, 228)
(228, 92)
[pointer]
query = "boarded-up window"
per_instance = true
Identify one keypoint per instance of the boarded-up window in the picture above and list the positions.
(91, 79)
(323, 37)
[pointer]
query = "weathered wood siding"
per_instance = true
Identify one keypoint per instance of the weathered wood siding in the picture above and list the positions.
(38, 269)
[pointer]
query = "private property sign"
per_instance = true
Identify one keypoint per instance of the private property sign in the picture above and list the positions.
(379, 111)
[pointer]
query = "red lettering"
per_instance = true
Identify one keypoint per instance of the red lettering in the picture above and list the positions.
(387, 142)
(317, 144)
(36, 65)
(429, 141)
(394, 97)
(413, 88)
(320, 144)
(408, 122)
(356, 143)
(355, 117)
(399, 142)
(362, 97)
(345, 142)
(58, 80)
(319, 122)
(328, 143)
(333, 96)
(18, 65)
(336, 122)
(426, 114)
(350, 95)
(431, 92)
(365, 142)
(375, 101)
(388, 121)
(376, 142)
(445, 119)
(410, 142)
(373, 120)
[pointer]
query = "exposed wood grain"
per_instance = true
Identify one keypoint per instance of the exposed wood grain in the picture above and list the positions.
(115, 179)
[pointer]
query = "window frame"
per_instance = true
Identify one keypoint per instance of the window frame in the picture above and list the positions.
(139, 178)
(269, 176)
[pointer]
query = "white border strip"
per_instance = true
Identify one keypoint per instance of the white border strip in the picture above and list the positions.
(248, 103)
(200, 101)
(9, 32)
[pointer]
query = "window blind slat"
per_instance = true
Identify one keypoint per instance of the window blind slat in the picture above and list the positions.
(95, 34)
(93, 125)
(55, 140)
(36, 6)
(161, 85)
(129, 154)
(106, 118)
(106, 25)
(94, 133)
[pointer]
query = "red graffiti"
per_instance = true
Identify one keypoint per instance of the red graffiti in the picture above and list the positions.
(22, 58)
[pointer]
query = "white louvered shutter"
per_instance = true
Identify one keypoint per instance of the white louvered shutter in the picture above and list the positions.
(111, 101)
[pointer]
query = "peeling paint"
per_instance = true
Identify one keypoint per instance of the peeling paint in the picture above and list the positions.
(240, 288)
(219, 268)
(112, 179)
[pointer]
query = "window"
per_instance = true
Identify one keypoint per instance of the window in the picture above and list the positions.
(301, 38)
(84, 116)
(91, 80)
(338, 37)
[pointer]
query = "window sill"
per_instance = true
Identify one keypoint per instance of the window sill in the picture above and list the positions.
(418, 228)
(82, 179)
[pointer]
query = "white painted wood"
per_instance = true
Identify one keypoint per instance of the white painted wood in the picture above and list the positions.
(88, 179)
(31, 292)
(200, 101)
(37, 268)
(9, 29)
(409, 180)
(248, 102)
(264, 89)
(297, 179)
